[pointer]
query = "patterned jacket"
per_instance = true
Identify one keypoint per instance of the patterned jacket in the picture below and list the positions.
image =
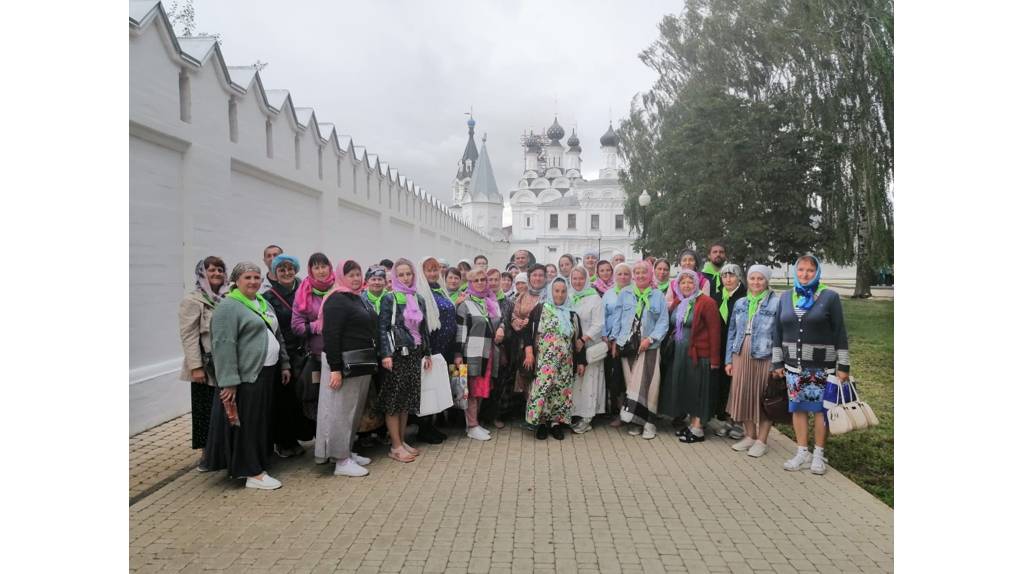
(474, 337)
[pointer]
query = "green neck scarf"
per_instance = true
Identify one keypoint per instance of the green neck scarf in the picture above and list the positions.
(753, 302)
(399, 297)
(821, 287)
(663, 287)
(689, 309)
(618, 289)
(259, 305)
(592, 279)
(501, 295)
(723, 309)
(642, 299)
(375, 299)
(321, 293)
(581, 294)
(481, 303)
(455, 296)
(710, 270)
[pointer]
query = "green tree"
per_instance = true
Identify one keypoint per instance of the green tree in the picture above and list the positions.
(827, 67)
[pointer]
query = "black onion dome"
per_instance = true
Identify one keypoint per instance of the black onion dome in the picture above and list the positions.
(573, 141)
(555, 132)
(610, 138)
(533, 143)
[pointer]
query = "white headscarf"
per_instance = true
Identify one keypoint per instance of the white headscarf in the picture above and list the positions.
(423, 288)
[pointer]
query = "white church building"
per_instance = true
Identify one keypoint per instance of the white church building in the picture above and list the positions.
(554, 209)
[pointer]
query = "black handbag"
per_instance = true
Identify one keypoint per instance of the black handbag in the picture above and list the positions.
(365, 360)
(775, 401)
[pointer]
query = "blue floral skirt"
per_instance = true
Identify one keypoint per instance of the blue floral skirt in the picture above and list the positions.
(806, 390)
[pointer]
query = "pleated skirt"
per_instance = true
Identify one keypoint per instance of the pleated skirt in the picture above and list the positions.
(749, 380)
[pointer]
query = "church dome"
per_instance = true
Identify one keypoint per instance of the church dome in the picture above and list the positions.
(533, 143)
(555, 132)
(471, 122)
(574, 142)
(610, 139)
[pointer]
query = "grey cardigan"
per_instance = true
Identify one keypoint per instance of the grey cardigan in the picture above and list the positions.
(240, 343)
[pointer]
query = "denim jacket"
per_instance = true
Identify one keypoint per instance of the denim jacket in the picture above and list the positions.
(653, 322)
(612, 312)
(760, 334)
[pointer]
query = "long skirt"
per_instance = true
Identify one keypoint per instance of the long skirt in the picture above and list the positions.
(372, 419)
(289, 422)
(307, 387)
(339, 416)
(245, 449)
(643, 383)
(588, 393)
(400, 387)
(749, 380)
(202, 405)
(614, 382)
(697, 387)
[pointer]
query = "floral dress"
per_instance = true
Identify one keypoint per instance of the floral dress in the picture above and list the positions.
(550, 400)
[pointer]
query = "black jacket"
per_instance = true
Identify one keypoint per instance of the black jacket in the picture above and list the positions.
(402, 338)
(349, 325)
(281, 299)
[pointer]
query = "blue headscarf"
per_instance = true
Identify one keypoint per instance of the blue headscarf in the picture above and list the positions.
(805, 293)
(282, 258)
(563, 311)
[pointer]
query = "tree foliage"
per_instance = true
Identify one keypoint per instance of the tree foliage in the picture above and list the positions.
(770, 125)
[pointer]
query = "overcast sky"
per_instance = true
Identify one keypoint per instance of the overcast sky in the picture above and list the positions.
(398, 76)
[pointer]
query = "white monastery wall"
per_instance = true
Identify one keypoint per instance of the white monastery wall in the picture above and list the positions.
(194, 192)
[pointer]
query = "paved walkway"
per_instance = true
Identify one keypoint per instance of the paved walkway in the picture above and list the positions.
(601, 502)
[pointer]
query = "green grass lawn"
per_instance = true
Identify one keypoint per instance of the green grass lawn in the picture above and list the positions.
(866, 456)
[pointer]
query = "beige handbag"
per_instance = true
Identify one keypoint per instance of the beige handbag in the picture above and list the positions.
(849, 415)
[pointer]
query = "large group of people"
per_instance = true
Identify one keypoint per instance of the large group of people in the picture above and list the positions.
(339, 356)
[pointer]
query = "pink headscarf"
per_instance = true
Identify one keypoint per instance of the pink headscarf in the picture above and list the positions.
(340, 286)
(304, 295)
(490, 299)
(412, 314)
(650, 273)
(600, 284)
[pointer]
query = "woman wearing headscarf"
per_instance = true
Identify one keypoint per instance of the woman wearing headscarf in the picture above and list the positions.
(440, 316)
(521, 284)
(552, 271)
(809, 344)
(696, 334)
(404, 344)
(605, 277)
(557, 348)
(479, 331)
(289, 423)
(614, 378)
(376, 285)
(732, 290)
(306, 324)
(662, 268)
(689, 259)
(248, 354)
(194, 314)
(748, 353)
(519, 321)
(590, 258)
(645, 313)
(497, 407)
(508, 282)
(350, 330)
(588, 391)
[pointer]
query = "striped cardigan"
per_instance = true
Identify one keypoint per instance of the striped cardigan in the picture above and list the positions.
(474, 337)
(817, 340)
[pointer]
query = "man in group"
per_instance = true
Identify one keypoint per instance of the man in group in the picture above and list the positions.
(521, 259)
(480, 262)
(618, 257)
(269, 253)
(716, 258)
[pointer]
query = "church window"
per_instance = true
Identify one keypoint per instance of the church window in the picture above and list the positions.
(619, 221)
(270, 140)
(528, 222)
(553, 224)
(233, 119)
(595, 221)
(184, 97)
(298, 151)
(572, 221)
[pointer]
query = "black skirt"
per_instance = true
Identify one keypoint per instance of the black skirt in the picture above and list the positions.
(614, 383)
(202, 405)
(243, 450)
(400, 387)
(307, 388)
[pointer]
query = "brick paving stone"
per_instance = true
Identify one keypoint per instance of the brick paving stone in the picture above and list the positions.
(600, 502)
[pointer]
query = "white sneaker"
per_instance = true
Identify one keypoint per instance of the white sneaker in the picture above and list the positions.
(798, 461)
(483, 428)
(649, 431)
(478, 433)
(757, 449)
(266, 483)
(743, 445)
(582, 427)
(360, 460)
(818, 462)
(348, 467)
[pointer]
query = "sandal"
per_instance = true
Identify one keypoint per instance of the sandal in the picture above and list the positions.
(410, 450)
(400, 455)
(688, 437)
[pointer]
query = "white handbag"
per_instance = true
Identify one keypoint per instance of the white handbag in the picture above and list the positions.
(435, 387)
(849, 415)
(597, 351)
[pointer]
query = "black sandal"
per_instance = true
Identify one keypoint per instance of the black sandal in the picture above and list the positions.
(542, 431)
(688, 437)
